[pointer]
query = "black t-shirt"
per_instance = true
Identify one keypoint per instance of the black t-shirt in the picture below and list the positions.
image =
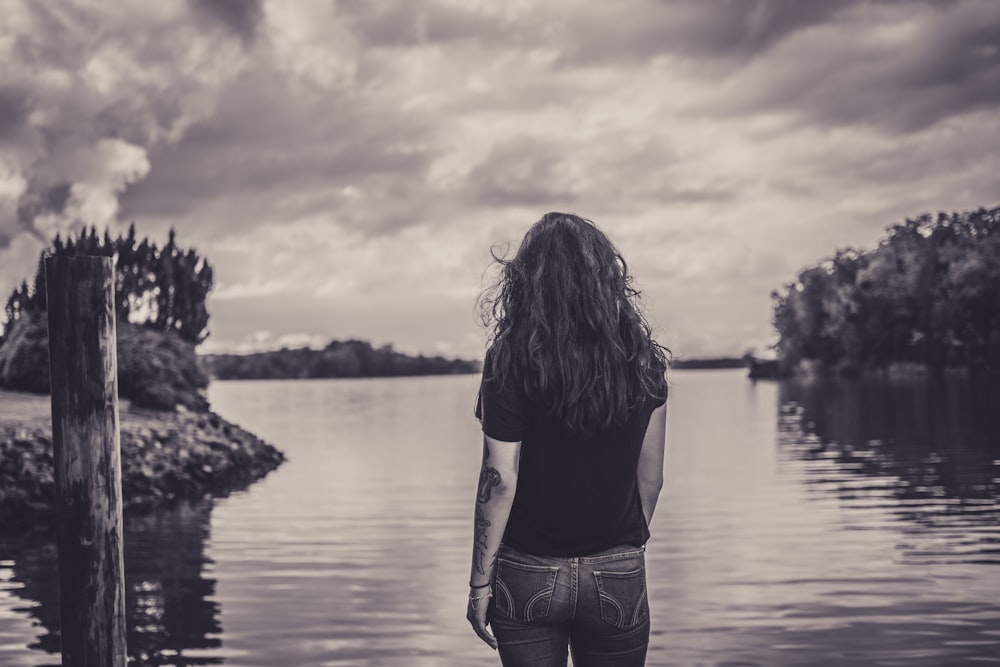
(575, 496)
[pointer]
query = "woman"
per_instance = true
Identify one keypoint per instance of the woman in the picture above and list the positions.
(573, 411)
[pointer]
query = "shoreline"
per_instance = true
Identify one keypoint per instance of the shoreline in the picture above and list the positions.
(897, 370)
(165, 457)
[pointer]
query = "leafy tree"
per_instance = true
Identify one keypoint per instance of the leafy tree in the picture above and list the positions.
(929, 294)
(160, 298)
(164, 289)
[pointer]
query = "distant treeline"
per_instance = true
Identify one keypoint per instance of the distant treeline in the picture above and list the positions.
(929, 294)
(710, 363)
(352, 358)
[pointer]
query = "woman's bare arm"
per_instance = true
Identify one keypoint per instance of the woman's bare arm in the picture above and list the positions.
(650, 469)
(494, 498)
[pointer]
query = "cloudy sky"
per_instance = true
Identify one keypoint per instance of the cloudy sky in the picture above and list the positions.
(347, 165)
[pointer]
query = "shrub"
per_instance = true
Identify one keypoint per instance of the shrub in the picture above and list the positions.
(156, 370)
(24, 355)
(159, 370)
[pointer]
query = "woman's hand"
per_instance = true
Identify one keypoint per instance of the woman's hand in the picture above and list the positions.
(494, 498)
(479, 604)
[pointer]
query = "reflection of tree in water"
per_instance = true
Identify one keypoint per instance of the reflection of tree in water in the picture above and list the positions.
(168, 601)
(926, 443)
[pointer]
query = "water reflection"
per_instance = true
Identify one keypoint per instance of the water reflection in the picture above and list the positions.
(927, 449)
(172, 618)
(789, 534)
(823, 523)
(172, 615)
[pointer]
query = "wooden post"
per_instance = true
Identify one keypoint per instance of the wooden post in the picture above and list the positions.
(84, 374)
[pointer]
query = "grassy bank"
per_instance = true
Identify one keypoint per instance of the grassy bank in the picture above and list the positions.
(165, 456)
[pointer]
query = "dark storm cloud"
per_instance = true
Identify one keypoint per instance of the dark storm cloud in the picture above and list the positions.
(547, 172)
(14, 109)
(699, 195)
(524, 171)
(642, 29)
(406, 24)
(241, 16)
(899, 67)
(86, 90)
(301, 158)
(902, 162)
(373, 150)
(49, 200)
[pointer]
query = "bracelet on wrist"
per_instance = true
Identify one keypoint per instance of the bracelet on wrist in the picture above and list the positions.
(485, 596)
(476, 601)
(486, 585)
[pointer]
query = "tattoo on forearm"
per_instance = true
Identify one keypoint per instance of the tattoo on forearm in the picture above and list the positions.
(489, 477)
(482, 523)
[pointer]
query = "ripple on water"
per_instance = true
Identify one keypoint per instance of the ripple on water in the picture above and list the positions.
(827, 523)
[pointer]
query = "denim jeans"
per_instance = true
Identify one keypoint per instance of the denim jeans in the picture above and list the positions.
(594, 605)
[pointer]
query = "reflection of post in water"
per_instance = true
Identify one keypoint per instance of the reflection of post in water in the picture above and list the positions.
(170, 613)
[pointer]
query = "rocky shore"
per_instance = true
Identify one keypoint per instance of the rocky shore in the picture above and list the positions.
(166, 456)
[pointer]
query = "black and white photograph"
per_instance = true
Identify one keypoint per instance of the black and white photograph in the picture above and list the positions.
(455, 333)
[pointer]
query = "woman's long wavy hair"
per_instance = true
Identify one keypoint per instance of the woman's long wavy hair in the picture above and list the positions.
(564, 323)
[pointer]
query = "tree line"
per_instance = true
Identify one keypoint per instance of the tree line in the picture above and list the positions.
(351, 358)
(929, 294)
(163, 289)
(160, 295)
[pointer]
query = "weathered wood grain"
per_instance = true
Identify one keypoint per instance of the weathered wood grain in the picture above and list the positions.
(87, 456)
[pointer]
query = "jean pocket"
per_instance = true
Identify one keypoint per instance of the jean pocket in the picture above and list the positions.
(623, 597)
(523, 592)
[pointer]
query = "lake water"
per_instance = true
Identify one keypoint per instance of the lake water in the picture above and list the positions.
(823, 523)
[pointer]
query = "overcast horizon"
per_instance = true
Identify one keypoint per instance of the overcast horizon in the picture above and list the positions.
(347, 166)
